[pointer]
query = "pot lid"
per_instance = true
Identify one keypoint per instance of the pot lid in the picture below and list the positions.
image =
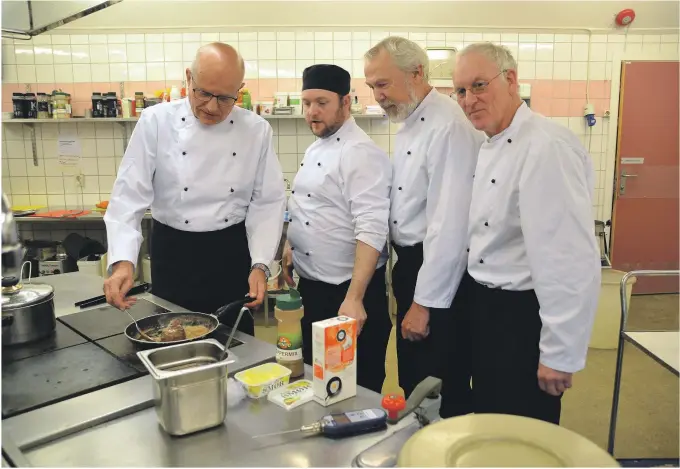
(493, 440)
(20, 295)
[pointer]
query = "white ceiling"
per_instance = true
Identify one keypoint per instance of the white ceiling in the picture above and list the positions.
(504, 15)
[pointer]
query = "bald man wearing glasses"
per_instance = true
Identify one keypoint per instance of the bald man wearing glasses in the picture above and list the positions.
(208, 170)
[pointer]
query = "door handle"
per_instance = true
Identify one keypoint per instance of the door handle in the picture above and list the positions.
(622, 185)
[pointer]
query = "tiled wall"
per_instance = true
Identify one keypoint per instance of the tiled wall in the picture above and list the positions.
(556, 65)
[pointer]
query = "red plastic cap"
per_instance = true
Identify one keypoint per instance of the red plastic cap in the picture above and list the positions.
(393, 404)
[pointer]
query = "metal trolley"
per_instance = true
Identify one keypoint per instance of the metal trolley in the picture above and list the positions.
(662, 346)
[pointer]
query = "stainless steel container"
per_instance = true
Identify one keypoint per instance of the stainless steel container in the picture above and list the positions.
(27, 312)
(189, 385)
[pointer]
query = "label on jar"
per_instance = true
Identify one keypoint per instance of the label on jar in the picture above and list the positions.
(289, 346)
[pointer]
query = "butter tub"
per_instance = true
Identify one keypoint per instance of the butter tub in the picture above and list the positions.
(262, 379)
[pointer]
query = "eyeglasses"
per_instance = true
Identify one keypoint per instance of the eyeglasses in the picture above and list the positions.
(476, 88)
(205, 97)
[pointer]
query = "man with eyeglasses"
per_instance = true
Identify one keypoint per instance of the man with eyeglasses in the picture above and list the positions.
(208, 170)
(434, 158)
(533, 277)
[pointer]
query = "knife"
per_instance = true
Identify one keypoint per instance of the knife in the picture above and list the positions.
(101, 299)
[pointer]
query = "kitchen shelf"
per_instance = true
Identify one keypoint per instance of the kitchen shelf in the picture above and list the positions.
(135, 119)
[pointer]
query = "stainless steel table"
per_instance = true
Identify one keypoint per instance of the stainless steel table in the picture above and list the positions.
(661, 346)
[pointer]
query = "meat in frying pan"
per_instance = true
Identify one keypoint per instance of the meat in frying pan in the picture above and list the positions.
(173, 332)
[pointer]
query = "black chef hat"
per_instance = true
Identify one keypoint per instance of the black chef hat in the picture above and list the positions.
(326, 77)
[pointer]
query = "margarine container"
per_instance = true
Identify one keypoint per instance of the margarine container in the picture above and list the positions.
(260, 380)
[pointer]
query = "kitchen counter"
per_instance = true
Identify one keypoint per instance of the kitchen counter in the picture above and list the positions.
(117, 425)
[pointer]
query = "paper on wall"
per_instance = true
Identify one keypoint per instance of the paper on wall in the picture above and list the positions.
(69, 152)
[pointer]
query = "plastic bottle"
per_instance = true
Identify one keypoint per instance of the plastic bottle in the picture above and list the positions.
(247, 100)
(288, 312)
(174, 93)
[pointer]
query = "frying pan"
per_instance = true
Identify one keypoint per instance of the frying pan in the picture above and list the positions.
(156, 322)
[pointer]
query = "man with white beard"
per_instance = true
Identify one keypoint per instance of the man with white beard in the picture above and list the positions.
(434, 161)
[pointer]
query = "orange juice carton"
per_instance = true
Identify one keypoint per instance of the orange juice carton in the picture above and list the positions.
(334, 351)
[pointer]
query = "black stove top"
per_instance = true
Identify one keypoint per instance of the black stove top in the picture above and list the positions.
(88, 351)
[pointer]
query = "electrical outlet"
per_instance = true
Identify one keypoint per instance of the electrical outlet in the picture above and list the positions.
(80, 180)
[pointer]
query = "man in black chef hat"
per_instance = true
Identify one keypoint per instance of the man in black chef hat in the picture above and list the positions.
(339, 212)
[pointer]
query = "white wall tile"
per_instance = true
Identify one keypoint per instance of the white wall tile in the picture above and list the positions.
(473, 37)
(304, 49)
(247, 36)
(346, 64)
(54, 185)
(323, 50)
(229, 38)
(615, 49)
(527, 52)
(342, 36)
(17, 167)
(323, 36)
(598, 71)
(526, 69)
(286, 68)
(155, 52)
(304, 36)
(342, 49)
(359, 48)
(669, 47)
(37, 185)
(26, 74)
(136, 72)
(598, 52)
(52, 167)
(118, 72)
(634, 47)
(267, 68)
(266, 36)
(207, 38)
(61, 54)
(99, 54)
(285, 50)
(24, 54)
(43, 55)
(63, 73)
(19, 185)
(651, 38)
(97, 39)
(80, 54)
(562, 52)
(34, 171)
(300, 66)
(377, 36)
(61, 39)
(358, 69)
(289, 163)
(563, 37)
(100, 72)
(361, 36)
(544, 70)
(174, 71)
(116, 38)
(562, 71)
(248, 49)
(80, 39)
(173, 52)
(9, 74)
(580, 38)
(155, 71)
(651, 48)
(287, 143)
(579, 51)
(134, 38)
(285, 36)
(82, 73)
(172, 37)
(251, 69)
(579, 70)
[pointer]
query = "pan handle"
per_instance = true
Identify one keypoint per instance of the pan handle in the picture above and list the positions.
(232, 307)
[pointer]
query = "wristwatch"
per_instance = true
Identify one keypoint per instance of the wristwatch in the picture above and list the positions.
(263, 268)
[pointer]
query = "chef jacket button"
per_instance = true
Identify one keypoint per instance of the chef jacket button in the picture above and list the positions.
(186, 189)
(338, 139)
(399, 187)
(231, 190)
(493, 181)
(473, 176)
(481, 261)
(184, 119)
(468, 249)
(486, 223)
(309, 195)
(307, 223)
(318, 164)
(226, 220)
(509, 140)
(231, 122)
(292, 248)
(395, 222)
(233, 154)
(292, 192)
(186, 222)
(422, 119)
(302, 164)
(184, 153)
(408, 152)
(306, 254)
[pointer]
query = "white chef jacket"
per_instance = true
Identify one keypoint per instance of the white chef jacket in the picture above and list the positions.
(198, 178)
(434, 159)
(341, 195)
(531, 227)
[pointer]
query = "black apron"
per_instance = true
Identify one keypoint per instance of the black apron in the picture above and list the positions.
(506, 330)
(201, 271)
(444, 353)
(323, 300)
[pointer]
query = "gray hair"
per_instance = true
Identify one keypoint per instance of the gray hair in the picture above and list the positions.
(407, 55)
(499, 55)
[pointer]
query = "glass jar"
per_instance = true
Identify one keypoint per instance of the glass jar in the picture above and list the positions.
(139, 102)
(61, 105)
(97, 105)
(43, 106)
(18, 105)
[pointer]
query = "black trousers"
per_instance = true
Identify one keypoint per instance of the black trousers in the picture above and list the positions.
(445, 353)
(201, 271)
(322, 301)
(506, 329)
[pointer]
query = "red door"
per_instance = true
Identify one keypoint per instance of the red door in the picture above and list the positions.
(645, 224)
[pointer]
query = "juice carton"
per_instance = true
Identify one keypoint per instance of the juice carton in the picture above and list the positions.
(334, 353)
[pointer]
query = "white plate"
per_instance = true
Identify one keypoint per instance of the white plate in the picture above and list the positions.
(493, 440)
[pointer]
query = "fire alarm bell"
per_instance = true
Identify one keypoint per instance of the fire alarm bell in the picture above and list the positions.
(625, 17)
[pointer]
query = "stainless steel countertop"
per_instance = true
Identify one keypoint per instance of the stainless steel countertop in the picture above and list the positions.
(117, 426)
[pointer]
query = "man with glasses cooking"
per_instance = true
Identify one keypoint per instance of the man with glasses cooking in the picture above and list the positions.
(533, 271)
(208, 170)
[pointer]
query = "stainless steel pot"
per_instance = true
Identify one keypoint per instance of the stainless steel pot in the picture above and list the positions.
(27, 312)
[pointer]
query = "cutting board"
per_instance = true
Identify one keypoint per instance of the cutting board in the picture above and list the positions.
(62, 214)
